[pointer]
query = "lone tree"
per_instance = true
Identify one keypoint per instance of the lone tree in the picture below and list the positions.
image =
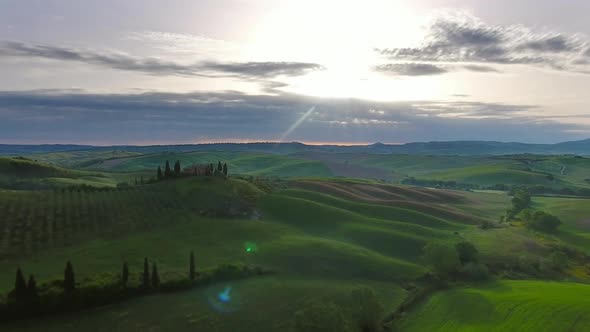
(442, 258)
(20, 286)
(145, 278)
(467, 252)
(167, 172)
(155, 277)
(32, 292)
(69, 279)
(192, 273)
(177, 168)
(225, 169)
(159, 176)
(125, 275)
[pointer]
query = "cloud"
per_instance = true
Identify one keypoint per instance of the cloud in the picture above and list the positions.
(481, 69)
(556, 43)
(428, 69)
(465, 39)
(157, 117)
(155, 66)
(262, 69)
(410, 69)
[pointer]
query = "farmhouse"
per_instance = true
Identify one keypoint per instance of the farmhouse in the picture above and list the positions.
(198, 169)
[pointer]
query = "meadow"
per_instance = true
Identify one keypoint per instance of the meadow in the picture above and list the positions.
(321, 236)
(505, 306)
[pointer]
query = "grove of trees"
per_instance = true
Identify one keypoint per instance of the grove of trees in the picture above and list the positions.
(168, 173)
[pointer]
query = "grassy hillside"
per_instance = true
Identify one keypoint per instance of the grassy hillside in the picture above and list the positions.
(505, 306)
(260, 305)
(531, 170)
(321, 238)
(250, 163)
(81, 158)
(22, 173)
(575, 216)
(165, 221)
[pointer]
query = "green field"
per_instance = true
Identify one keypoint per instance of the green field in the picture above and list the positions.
(321, 236)
(266, 304)
(505, 306)
(20, 173)
(250, 163)
(548, 171)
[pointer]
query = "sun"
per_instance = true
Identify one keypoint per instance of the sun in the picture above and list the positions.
(341, 36)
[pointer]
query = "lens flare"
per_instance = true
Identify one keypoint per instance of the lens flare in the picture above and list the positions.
(250, 247)
(297, 123)
(225, 296)
(222, 301)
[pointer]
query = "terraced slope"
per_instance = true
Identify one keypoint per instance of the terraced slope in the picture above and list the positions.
(438, 203)
(505, 306)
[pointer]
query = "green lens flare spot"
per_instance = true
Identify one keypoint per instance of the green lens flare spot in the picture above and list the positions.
(250, 247)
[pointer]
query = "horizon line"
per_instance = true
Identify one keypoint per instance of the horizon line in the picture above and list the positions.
(309, 143)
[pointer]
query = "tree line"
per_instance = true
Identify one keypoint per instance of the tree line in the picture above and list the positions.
(28, 299)
(28, 291)
(169, 173)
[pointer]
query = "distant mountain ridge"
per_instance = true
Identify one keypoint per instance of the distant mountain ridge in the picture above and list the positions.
(581, 147)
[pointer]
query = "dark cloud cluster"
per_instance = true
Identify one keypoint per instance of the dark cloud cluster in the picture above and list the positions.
(154, 66)
(411, 69)
(76, 116)
(429, 69)
(467, 40)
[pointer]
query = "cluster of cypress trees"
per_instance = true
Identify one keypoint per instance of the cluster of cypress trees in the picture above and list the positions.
(27, 292)
(169, 173)
(23, 291)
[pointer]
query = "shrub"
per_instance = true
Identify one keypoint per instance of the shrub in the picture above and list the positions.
(528, 265)
(442, 258)
(486, 224)
(558, 260)
(543, 221)
(467, 252)
(368, 310)
(475, 271)
(320, 317)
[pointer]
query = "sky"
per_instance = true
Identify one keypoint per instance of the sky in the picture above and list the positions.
(315, 71)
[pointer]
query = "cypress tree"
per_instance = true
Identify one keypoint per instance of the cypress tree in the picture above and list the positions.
(69, 278)
(136, 181)
(219, 167)
(141, 179)
(155, 277)
(177, 168)
(225, 169)
(145, 279)
(167, 172)
(20, 286)
(211, 169)
(192, 273)
(32, 288)
(125, 275)
(159, 176)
